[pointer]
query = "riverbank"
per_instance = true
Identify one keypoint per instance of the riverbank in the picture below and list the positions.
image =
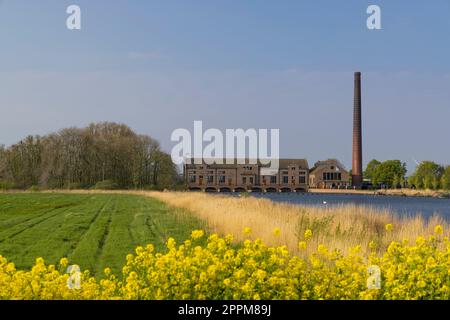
(381, 192)
(387, 192)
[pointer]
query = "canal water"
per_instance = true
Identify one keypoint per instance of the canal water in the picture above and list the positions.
(400, 205)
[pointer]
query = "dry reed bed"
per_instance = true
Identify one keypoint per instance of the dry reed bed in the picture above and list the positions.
(340, 227)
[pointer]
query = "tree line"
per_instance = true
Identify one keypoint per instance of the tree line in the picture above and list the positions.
(392, 174)
(105, 155)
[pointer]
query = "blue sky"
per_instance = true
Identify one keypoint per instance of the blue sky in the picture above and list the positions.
(160, 65)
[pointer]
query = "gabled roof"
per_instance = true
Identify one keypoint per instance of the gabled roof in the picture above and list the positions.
(327, 163)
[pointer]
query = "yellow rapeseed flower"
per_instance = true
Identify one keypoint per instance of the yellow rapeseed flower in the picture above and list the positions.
(276, 232)
(218, 269)
(64, 262)
(302, 245)
(438, 229)
(247, 230)
(389, 227)
(197, 234)
(308, 234)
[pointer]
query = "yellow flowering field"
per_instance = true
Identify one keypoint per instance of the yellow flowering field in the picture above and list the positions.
(212, 267)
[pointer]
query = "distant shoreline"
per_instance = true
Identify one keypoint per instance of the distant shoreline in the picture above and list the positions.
(386, 192)
(382, 192)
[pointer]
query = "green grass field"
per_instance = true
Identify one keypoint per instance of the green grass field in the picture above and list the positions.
(93, 230)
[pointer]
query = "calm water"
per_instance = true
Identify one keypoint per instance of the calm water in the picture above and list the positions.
(401, 205)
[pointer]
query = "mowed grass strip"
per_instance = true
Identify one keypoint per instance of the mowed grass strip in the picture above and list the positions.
(93, 230)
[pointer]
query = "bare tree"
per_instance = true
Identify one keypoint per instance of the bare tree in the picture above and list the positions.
(75, 157)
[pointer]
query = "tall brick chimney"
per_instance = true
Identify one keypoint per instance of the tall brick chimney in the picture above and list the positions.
(357, 136)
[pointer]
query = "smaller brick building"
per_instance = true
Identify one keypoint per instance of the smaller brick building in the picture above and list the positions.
(329, 174)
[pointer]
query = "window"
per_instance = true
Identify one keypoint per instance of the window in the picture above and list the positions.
(210, 179)
(285, 179)
(273, 179)
(331, 176)
(192, 179)
(244, 180)
(251, 180)
(221, 179)
(302, 179)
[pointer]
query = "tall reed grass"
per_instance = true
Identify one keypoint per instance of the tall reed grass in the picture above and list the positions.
(341, 227)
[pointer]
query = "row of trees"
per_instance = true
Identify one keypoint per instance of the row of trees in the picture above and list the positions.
(430, 175)
(106, 154)
(392, 173)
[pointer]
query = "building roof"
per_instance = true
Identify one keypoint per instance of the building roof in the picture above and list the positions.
(327, 163)
(283, 163)
(302, 163)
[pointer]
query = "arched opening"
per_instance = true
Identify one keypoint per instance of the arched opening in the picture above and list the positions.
(286, 189)
(256, 189)
(271, 190)
(210, 189)
(300, 190)
(240, 189)
(225, 189)
(195, 189)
